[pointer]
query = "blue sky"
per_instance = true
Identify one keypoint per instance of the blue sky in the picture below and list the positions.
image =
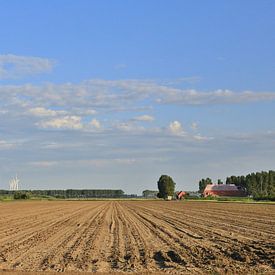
(112, 94)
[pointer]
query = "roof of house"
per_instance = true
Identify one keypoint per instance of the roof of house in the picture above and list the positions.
(221, 187)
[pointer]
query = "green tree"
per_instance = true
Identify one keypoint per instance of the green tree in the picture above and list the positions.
(21, 195)
(220, 181)
(271, 183)
(260, 185)
(229, 180)
(166, 186)
(203, 183)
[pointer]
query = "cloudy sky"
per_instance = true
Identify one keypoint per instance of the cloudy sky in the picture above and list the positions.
(112, 94)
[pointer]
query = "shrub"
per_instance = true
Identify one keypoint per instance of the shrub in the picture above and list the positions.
(21, 196)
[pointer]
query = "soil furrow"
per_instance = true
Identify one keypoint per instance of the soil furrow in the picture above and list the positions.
(137, 236)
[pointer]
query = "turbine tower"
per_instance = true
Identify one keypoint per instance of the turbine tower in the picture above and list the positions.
(14, 184)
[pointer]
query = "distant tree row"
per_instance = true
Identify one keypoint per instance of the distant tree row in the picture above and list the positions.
(260, 185)
(94, 193)
(71, 193)
(149, 193)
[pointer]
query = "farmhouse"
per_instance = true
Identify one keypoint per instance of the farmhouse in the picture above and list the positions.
(180, 195)
(223, 190)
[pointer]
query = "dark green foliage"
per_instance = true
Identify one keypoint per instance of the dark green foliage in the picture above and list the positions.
(260, 185)
(166, 186)
(60, 197)
(70, 193)
(203, 183)
(21, 195)
(93, 193)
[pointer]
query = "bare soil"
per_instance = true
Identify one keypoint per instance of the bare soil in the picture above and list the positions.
(137, 236)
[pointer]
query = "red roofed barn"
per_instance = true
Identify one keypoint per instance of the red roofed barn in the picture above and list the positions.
(230, 190)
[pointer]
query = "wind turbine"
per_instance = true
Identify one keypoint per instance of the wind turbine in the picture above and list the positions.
(14, 184)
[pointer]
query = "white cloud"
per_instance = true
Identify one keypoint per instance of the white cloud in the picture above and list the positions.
(52, 145)
(4, 145)
(194, 97)
(14, 66)
(194, 126)
(66, 122)
(95, 124)
(175, 128)
(85, 98)
(139, 89)
(42, 112)
(84, 162)
(199, 137)
(144, 118)
(3, 112)
(90, 112)
(44, 164)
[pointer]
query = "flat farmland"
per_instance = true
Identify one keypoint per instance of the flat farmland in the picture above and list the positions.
(137, 236)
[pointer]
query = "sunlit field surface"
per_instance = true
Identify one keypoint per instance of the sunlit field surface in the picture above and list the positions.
(137, 236)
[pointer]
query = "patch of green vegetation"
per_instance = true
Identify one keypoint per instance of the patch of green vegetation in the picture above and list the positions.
(18, 195)
(6, 198)
(230, 199)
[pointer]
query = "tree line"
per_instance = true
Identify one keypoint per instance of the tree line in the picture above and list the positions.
(259, 185)
(69, 193)
(149, 193)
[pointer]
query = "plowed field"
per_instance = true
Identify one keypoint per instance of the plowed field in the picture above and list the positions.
(137, 236)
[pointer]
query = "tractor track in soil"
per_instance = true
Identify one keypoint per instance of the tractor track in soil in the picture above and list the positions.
(137, 236)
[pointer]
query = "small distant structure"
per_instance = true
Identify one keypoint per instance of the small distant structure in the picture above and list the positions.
(226, 190)
(169, 198)
(193, 194)
(180, 195)
(130, 196)
(14, 184)
(150, 194)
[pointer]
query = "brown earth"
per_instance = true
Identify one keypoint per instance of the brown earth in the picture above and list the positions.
(137, 236)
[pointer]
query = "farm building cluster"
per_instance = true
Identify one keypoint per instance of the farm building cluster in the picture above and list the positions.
(213, 190)
(228, 190)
